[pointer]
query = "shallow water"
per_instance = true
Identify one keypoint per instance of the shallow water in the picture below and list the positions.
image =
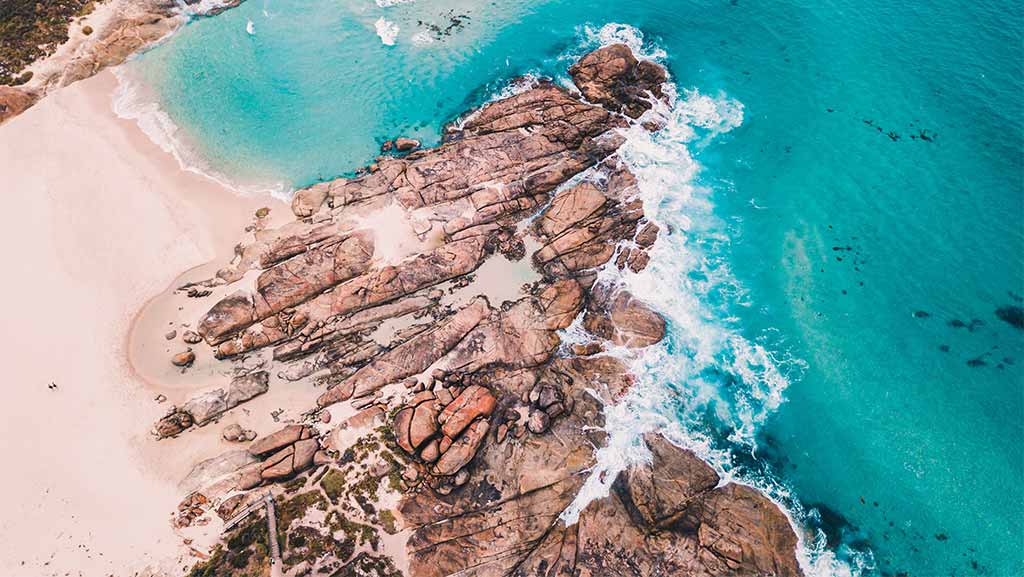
(838, 168)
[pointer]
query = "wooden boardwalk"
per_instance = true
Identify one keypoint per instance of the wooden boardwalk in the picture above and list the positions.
(275, 549)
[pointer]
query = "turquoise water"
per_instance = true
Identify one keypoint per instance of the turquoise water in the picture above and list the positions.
(849, 210)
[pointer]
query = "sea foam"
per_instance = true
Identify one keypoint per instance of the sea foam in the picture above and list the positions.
(705, 365)
(134, 100)
(387, 31)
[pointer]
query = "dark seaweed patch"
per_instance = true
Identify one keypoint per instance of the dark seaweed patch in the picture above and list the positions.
(1011, 314)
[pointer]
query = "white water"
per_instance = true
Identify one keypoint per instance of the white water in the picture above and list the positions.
(678, 380)
(133, 100)
(387, 31)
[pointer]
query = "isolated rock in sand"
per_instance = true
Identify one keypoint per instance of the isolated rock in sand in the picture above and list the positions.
(234, 433)
(183, 359)
(206, 407)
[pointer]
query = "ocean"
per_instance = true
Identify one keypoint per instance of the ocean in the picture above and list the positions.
(844, 186)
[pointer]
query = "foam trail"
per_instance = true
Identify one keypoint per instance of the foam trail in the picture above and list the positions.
(133, 101)
(705, 365)
(386, 30)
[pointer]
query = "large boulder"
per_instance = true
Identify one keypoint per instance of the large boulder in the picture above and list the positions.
(462, 450)
(613, 77)
(619, 317)
(475, 401)
(279, 439)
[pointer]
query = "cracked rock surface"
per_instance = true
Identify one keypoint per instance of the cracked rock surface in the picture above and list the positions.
(462, 423)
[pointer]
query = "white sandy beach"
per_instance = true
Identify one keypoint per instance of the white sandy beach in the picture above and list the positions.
(99, 219)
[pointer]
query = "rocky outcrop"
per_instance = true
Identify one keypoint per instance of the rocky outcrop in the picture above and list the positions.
(14, 101)
(281, 455)
(619, 318)
(126, 36)
(613, 77)
(207, 407)
(489, 423)
(586, 224)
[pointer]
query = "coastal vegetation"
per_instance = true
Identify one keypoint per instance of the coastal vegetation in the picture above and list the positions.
(30, 30)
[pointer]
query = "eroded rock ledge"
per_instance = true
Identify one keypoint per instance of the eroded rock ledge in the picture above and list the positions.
(455, 429)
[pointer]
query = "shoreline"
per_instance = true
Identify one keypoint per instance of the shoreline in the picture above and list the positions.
(474, 409)
(216, 218)
(117, 30)
(114, 216)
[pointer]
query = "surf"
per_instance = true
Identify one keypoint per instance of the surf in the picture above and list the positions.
(705, 365)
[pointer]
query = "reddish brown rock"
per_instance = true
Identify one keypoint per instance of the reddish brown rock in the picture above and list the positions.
(173, 423)
(412, 357)
(423, 425)
(280, 465)
(183, 359)
(485, 508)
(277, 440)
(308, 200)
(614, 78)
(660, 492)
(474, 402)
(305, 451)
(462, 450)
(403, 144)
(250, 477)
(584, 223)
(14, 101)
(310, 273)
(228, 316)
(623, 320)
(431, 451)
(416, 422)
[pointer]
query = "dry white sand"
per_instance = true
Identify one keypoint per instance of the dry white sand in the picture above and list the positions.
(98, 220)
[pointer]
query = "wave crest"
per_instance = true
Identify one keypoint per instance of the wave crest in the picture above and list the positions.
(706, 386)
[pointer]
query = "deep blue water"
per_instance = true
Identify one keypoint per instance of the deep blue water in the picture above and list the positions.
(854, 234)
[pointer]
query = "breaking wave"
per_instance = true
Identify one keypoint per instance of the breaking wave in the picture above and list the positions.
(706, 386)
(386, 30)
(134, 100)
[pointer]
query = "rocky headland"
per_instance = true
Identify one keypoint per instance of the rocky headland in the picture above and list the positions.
(418, 307)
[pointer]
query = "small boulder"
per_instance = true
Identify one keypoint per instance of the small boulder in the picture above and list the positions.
(423, 424)
(305, 452)
(538, 422)
(233, 433)
(183, 359)
(173, 423)
(403, 144)
(431, 451)
(463, 450)
(474, 402)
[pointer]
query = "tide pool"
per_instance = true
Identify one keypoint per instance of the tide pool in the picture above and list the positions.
(846, 186)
